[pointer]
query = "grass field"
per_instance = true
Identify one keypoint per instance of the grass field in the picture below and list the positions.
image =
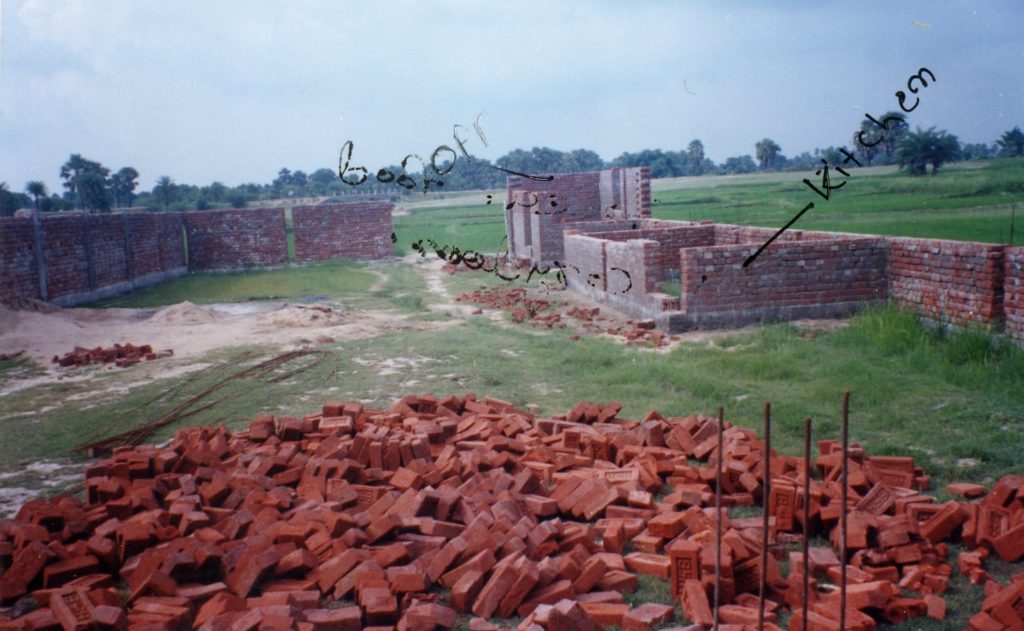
(965, 202)
(953, 400)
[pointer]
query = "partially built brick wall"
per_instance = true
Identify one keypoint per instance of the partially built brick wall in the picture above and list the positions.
(669, 239)
(951, 281)
(1013, 293)
(236, 239)
(342, 231)
(790, 280)
(542, 209)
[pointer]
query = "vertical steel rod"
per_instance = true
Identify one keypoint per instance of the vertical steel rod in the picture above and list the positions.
(807, 518)
(767, 489)
(718, 512)
(842, 512)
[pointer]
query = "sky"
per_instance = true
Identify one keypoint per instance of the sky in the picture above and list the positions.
(227, 91)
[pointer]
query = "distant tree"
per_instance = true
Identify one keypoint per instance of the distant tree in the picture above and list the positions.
(896, 125)
(237, 200)
(1011, 143)
(300, 181)
(215, 192)
(122, 185)
(164, 191)
(93, 192)
(9, 202)
(695, 152)
(918, 149)
(284, 178)
(766, 151)
(72, 171)
(738, 164)
(976, 151)
(37, 190)
(320, 180)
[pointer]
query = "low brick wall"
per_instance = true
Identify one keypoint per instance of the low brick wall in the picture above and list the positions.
(953, 281)
(1013, 296)
(236, 239)
(790, 280)
(669, 240)
(359, 230)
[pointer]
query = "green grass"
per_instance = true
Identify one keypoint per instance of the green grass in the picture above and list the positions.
(334, 279)
(895, 204)
(479, 228)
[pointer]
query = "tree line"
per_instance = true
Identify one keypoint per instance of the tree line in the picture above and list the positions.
(93, 187)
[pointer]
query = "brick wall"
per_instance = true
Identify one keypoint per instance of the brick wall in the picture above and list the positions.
(953, 281)
(109, 251)
(542, 209)
(1013, 298)
(18, 273)
(66, 255)
(797, 279)
(586, 254)
(145, 237)
(172, 243)
(232, 239)
(359, 230)
(665, 265)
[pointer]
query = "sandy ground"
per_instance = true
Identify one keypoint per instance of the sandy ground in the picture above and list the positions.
(190, 330)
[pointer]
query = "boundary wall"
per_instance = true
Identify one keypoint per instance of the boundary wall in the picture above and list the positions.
(73, 258)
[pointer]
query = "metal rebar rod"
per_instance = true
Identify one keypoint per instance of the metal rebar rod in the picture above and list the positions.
(843, 509)
(718, 512)
(765, 495)
(807, 520)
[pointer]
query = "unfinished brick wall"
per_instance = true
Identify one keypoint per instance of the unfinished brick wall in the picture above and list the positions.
(952, 281)
(798, 279)
(19, 276)
(543, 209)
(669, 240)
(360, 230)
(233, 239)
(1013, 296)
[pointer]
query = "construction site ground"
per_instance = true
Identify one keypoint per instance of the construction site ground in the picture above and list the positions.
(957, 412)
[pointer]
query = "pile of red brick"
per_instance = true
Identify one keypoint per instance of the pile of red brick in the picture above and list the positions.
(634, 332)
(538, 312)
(117, 354)
(434, 507)
(543, 313)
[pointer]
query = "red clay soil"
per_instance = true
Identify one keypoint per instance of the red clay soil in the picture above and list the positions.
(434, 507)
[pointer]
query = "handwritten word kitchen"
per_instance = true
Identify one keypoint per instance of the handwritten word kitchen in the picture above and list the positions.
(826, 181)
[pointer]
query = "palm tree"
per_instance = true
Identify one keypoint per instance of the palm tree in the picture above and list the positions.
(766, 150)
(36, 189)
(896, 124)
(164, 190)
(917, 149)
(1011, 143)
